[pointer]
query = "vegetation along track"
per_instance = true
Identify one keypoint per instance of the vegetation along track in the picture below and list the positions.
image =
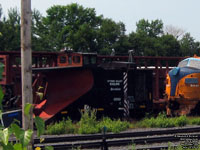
(137, 137)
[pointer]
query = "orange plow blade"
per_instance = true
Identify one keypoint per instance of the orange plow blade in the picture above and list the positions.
(65, 86)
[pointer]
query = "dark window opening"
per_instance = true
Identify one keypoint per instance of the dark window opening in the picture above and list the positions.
(76, 59)
(63, 59)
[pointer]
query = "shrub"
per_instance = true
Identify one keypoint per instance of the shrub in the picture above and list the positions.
(181, 121)
(62, 127)
(195, 121)
(114, 126)
(88, 122)
(119, 126)
(162, 121)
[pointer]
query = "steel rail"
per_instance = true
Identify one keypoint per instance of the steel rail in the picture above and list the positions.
(67, 142)
(62, 138)
(114, 142)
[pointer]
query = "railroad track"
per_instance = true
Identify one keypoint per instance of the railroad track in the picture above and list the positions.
(64, 142)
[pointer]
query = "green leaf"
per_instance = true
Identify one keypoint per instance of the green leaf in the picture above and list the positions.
(40, 125)
(27, 109)
(9, 146)
(18, 146)
(1, 97)
(27, 137)
(4, 135)
(16, 121)
(49, 148)
(17, 131)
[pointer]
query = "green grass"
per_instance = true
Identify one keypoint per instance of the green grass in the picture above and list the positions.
(62, 127)
(162, 121)
(89, 124)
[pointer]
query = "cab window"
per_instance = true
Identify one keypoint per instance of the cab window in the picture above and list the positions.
(194, 64)
(76, 59)
(63, 59)
(183, 63)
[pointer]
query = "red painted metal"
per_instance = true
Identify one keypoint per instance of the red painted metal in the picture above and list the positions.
(12, 70)
(70, 59)
(64, 87)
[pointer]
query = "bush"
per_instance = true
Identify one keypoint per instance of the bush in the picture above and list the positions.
(181, 121)
(114, 126)
(62, 127)
(87, 125)
(195, 121)
(88, 122)
(162, 121)
(119, 126)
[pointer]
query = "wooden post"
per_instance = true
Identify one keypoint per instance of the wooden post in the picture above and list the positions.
(26, 61)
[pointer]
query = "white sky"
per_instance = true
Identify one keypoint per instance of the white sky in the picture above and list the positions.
(183, 14)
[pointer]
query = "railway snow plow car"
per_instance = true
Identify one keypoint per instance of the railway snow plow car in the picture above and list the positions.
(183, 87)
(65, 83)
(79, 82)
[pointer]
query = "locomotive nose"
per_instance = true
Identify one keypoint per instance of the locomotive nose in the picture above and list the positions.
(175, 71)
(175, 76)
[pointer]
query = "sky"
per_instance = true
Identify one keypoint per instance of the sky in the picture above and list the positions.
(182, 14)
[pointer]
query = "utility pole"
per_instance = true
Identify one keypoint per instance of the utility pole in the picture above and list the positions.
(26, 62)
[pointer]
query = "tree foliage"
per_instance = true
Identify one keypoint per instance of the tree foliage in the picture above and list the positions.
(81, 29)
(10, 31)
(151, 29)
(189, 46)
(71, 26)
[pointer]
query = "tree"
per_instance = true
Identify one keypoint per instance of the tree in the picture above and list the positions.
(111, 35)
(144, 45)
(10, 30)
(151, 29)
(175, 31)
(188, 45)
(1, 24)
(38, 32)
(71, 26)
(138, 42)
(0, 11)
(168, 46)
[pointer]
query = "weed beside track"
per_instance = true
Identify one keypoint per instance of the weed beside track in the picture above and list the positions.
(89, 124)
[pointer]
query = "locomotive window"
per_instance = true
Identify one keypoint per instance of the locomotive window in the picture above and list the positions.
(63, 59)
(183, 63)
(194, 63)
(76, 59)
